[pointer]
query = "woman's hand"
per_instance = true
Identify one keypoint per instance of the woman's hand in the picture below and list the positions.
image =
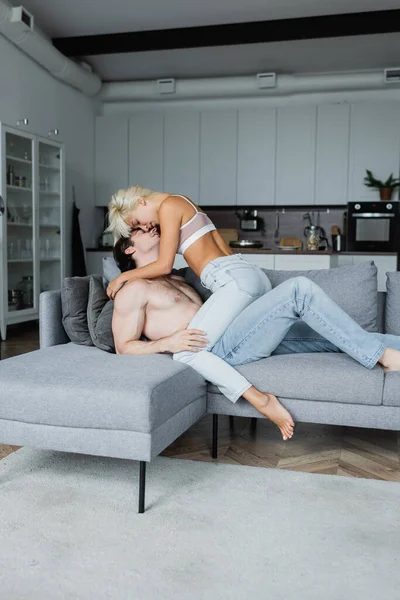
(193, 340)
(115, 285)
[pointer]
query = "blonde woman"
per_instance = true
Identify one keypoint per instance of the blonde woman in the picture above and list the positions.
(234, 283)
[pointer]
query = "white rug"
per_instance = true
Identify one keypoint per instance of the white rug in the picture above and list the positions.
(70, 531)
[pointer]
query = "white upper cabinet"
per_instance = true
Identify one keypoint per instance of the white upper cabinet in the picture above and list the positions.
(332, 154)
(218, 158)
(374, 145)
(256, 157)
(182, 153)
(111, 162)
(295, 155)
(146, 150)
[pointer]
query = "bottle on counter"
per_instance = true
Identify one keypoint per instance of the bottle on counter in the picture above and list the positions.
(336, 239)
(312, 238)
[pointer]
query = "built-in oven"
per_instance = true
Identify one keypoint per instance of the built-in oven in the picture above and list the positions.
(373, 226)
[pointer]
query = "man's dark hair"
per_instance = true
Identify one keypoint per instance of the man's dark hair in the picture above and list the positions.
(124, 261)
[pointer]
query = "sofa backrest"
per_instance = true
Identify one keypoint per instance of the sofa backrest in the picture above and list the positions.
(353, 288)
(361, 291)
(51, 330)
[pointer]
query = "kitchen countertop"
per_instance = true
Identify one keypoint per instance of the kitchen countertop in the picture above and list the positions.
(307, 252)
(271, 251)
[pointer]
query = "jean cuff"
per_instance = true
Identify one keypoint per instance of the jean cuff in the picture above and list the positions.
(237, 396)
(376, 356)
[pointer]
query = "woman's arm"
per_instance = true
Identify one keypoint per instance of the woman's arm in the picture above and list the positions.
(170, 218)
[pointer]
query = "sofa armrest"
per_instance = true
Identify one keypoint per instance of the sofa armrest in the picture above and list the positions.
(51, 328)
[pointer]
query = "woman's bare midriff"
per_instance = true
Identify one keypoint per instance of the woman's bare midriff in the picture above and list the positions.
(207, 248)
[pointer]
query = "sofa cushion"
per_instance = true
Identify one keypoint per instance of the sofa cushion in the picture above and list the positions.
(330, 377)
(392, 312)
(354, 289)
(78, 386)
(99, 315)
(391, 390)
(110, 270)
(192, 279)
(74, 299)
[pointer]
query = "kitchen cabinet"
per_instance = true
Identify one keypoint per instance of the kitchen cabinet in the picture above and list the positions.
(374, 145)
(301, 262)
(182, 153)
(146, 150)
(332, 154)
(111, 157)
(218, 157)
(383, 264)
(32, 240)
(265, 261)
(256, 157)
(295, 155)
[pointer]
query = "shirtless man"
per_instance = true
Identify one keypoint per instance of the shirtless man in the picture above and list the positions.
(160, 309)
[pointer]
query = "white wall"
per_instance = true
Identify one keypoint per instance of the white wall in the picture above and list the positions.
(29, 91)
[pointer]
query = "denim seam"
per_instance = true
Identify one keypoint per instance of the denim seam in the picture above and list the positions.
(368, 362)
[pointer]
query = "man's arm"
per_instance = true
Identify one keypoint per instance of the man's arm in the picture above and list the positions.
(128, 322)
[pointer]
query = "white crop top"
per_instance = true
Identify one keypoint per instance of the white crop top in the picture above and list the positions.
(194, 229)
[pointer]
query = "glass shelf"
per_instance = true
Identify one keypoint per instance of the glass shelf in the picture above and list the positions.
(49, 167)
(18, 160)
(21, 260)
(48, 193)
(19, 188)
(11, 224)
(55, 259)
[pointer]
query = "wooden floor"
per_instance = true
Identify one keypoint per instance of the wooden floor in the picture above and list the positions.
(348, 451)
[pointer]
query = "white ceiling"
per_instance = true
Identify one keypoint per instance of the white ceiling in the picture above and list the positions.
(305, 56)
(59, 18)
(86, 17)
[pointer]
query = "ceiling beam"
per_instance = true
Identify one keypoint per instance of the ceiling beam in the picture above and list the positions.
(365, 23)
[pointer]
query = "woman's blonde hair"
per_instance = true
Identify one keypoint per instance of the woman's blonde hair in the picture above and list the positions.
(121, 205)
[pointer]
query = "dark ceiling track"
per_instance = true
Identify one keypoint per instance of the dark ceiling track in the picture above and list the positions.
(256, 32)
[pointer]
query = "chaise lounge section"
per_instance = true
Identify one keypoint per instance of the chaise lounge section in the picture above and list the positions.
(79, 398)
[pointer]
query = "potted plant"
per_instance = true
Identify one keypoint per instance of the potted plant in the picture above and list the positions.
(385, 187)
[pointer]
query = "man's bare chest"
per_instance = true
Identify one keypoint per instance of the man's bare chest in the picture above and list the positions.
(166, 294)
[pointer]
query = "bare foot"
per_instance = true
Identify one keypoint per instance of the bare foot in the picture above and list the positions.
(390, 360)
(270, 407)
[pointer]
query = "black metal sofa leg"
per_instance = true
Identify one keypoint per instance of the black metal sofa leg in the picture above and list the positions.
(214, 451)
(142, 485)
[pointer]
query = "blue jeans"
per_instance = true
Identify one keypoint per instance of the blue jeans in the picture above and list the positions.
(263, 328)
(235, 284)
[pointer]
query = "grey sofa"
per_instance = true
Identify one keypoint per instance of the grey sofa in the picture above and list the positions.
(75, 398)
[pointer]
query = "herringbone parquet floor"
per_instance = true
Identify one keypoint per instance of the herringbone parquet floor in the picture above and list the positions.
(353, 452)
